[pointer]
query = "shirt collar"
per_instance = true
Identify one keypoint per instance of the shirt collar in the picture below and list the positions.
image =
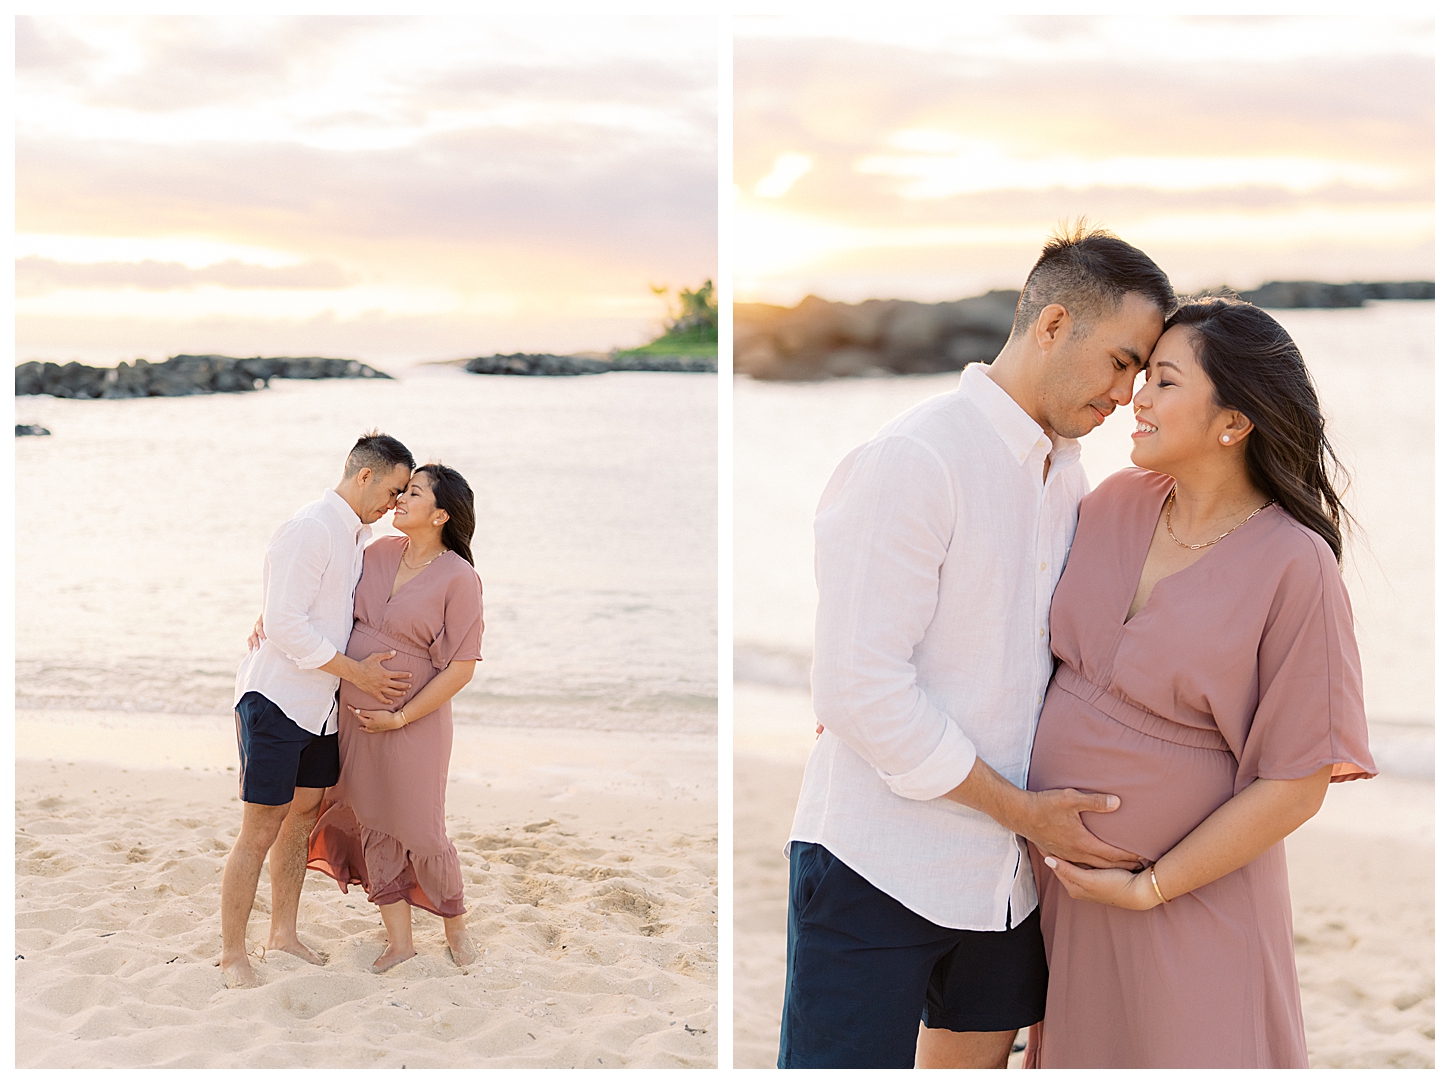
(1015, 426)
(333, 500)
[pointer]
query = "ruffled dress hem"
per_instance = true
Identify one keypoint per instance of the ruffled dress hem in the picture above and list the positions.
(353, 854)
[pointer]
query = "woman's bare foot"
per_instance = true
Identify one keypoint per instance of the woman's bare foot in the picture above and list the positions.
(460, 946)
(295, 947)
(238, 973)
(392, 957)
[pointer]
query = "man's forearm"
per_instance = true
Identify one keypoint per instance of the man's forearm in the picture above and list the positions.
(1050, 819)
(986, 791)
(340, 666)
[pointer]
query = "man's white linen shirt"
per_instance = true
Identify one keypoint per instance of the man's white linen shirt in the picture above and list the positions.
(308, 579)
(938, 546)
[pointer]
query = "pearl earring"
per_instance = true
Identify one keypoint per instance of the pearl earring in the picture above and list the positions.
(1225, 438)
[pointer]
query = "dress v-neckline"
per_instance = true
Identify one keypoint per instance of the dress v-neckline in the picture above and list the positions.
(1143, 564)
(1148, 549)
(396, 591)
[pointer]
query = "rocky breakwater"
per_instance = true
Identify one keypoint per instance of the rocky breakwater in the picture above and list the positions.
(185, 374)
(587, 364)
(1329, 295)
(818, 339)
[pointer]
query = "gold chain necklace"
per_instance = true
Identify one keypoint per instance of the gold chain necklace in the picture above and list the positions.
(1168, 522)
(440, 553)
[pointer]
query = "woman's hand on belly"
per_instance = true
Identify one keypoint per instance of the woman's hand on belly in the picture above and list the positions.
(1115, 887)
(379, 722)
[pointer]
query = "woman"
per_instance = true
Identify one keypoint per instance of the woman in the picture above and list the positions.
(1208, 676)
(382, 826)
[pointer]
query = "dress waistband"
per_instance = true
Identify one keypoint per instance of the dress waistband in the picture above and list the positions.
(402, 647)
(1134, 717)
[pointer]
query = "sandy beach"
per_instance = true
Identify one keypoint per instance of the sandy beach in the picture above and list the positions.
(1362, 880)
(589, 858)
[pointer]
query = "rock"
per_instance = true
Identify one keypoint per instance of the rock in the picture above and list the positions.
(31, 431)
(1325, 295)
(818, 338)
(69, 381)
(663, 363)
(585, 365)
(534, 365)
(184, 374)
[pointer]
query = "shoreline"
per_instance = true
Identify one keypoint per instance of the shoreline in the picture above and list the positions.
(590, 867)
(571, 718)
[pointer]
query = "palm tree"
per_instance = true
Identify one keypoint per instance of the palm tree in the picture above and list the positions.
(694, 319)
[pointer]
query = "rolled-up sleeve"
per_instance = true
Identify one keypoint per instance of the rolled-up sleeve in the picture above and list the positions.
(292, 575)
(882, 531)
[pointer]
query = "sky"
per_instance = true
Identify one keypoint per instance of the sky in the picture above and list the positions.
(384, 188)
(910, 156)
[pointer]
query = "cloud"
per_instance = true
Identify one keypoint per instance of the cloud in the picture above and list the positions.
(494, 174)
(583, 154)
(928, 158)
(48, 52)
(658, 83)
(190, 61)
(816, 96)
(309, 74)
(36, 275)
(564, 189)
(788, 169)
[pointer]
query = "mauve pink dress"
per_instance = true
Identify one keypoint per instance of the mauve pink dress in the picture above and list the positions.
(1242, 666)
(382, 824)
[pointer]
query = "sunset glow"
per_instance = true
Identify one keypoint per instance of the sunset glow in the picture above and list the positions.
(931, 159)
(389, 188)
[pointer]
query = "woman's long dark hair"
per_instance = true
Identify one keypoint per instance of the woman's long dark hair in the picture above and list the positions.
(452, 494)
(1257, 370)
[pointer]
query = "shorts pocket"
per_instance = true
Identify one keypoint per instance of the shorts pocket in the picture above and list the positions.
(813, 865)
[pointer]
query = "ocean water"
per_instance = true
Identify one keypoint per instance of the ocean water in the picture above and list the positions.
(141, 526)
(1374, 368)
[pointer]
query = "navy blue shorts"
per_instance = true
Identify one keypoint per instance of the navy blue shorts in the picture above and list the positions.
(862, 970)
(278, 755)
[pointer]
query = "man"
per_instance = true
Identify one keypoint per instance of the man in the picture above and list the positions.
(286, 693)
(913, 932)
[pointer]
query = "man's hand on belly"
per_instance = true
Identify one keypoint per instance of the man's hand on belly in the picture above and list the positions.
(371, 676)
(1053, 822)
(1050, 819)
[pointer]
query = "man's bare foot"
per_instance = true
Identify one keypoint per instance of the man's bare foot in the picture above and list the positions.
(461, 948)
(239, 974)
(390, 958)
(295, 947)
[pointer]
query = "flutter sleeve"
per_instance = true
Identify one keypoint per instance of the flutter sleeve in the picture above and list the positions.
(1311, 693)
(462, 635)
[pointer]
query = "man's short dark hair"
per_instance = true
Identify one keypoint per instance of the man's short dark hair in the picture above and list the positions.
(380, 452)
(1087, 272)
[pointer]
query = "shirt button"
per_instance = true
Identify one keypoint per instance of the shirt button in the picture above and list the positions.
(1041, 632)
(1044, 566)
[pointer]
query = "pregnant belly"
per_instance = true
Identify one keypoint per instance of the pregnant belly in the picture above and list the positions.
(1166, 789)
(365, 642)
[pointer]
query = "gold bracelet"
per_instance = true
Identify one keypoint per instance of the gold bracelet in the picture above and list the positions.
(1153, 877)
(402, 717)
